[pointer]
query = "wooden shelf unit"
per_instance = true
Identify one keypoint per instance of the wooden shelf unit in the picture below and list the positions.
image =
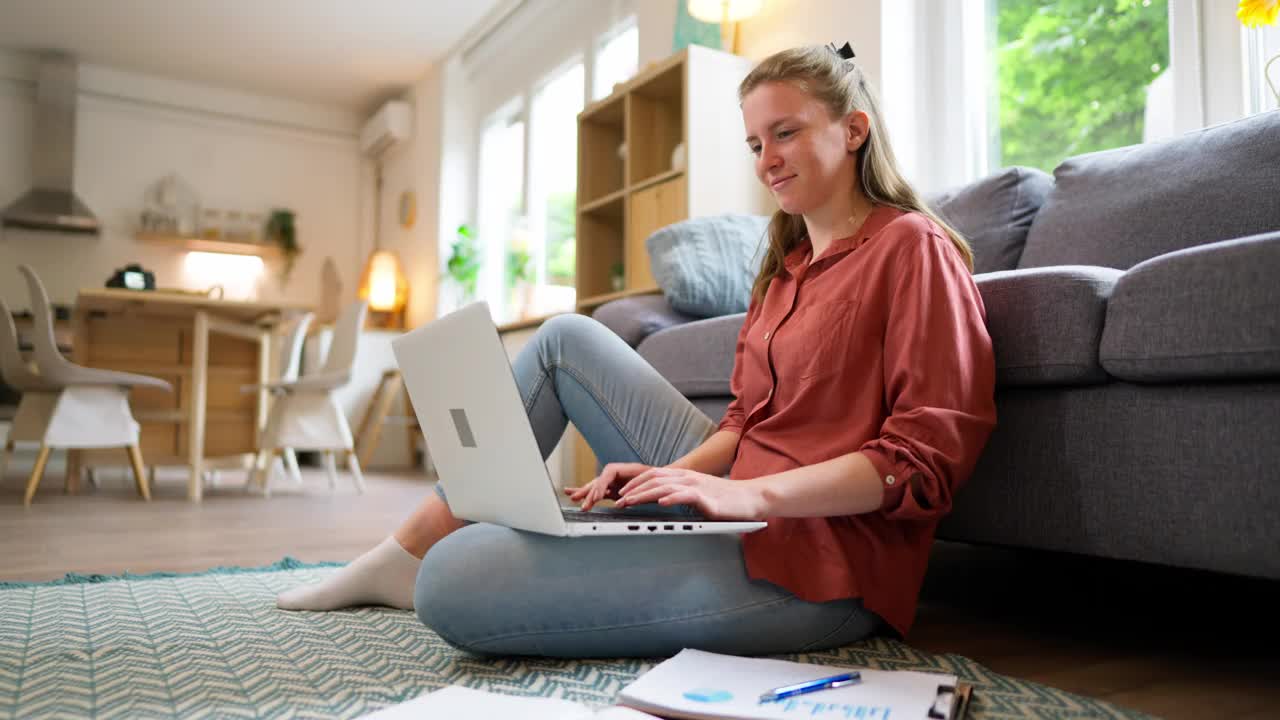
(623, 197)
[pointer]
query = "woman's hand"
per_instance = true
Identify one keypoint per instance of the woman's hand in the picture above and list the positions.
(606, 485)
(715, 497)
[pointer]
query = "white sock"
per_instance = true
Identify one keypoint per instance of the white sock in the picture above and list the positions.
(383, 576)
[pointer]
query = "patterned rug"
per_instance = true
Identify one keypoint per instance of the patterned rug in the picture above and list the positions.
(214, 645)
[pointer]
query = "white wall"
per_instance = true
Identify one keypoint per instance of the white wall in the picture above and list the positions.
(238, 151)
(414, 166)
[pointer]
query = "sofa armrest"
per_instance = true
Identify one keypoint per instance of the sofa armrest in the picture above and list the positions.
(1206, 312)
(1045, 323)
(639, 316)
(696, 357)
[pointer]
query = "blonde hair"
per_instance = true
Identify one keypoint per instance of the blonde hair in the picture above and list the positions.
(842, 87)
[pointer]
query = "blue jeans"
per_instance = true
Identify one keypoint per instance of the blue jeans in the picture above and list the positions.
(493, 590)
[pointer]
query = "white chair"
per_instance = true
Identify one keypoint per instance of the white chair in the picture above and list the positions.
(305, 414)
(16, 374)
(73, 406)
(287, 363)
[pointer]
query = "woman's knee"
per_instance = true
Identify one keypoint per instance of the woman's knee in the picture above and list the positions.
(454, 578)
(570, 330)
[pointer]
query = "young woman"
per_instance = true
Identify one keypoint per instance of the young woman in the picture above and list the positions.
(863, 390)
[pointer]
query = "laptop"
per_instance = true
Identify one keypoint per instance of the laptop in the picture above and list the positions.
(466, 400)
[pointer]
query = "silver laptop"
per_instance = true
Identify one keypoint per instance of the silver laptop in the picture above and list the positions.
(467, 402)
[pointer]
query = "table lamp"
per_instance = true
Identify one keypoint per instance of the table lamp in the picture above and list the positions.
(384, 285)
(383, 282)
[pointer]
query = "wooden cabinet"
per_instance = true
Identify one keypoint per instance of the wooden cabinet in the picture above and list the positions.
(651, 209)
(632, 181)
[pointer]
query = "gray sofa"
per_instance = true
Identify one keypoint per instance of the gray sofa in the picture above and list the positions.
(1133, 300)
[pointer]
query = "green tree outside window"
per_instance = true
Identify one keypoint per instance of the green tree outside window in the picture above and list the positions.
(1072, 75)
(561, 263)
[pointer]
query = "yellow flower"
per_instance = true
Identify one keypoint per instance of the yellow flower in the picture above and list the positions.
(1254, 13)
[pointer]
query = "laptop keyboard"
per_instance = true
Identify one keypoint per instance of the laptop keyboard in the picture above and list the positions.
(606, 516)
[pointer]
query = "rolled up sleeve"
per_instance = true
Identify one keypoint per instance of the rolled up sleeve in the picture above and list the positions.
(939, 379)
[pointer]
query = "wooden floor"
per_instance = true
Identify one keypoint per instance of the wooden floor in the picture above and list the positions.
(1172, 643)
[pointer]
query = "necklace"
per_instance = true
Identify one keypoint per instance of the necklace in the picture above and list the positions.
(855, 222)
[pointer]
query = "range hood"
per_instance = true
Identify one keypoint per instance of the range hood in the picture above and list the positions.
(51, 204)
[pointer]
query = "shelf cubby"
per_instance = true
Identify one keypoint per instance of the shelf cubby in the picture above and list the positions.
(655, 123)
(599, 247)
(601, 132)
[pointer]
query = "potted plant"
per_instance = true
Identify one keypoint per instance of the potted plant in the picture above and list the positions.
(518, 275)
(463, 265)
(617, 277)
(280, 229)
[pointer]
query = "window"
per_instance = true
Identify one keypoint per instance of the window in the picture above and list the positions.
(1261, 45)
(1075, 76)
(617, 58)
(553, 178)
(526, 221)
(501, 227)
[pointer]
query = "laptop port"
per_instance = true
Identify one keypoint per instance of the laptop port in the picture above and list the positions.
(652, 528)
(688, 527)
(633, 527)
(668, 527)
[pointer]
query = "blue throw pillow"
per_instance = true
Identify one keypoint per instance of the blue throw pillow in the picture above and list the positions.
(706, 265)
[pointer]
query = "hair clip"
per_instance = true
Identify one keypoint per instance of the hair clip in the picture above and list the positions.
(844, 53)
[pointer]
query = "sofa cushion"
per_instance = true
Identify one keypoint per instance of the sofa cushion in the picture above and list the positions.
(1045, 324)
(639, 316)
(713, 406)
(1176, 474)
(1206, 312)
(994, 214)
(705, 266)
(1119, 207)
(697, 358)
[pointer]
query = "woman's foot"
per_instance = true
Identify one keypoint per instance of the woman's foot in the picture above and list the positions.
(383, 576)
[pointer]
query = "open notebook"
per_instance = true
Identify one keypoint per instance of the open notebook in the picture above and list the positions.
(706, 686)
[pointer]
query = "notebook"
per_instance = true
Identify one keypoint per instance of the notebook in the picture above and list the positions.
(707, 686)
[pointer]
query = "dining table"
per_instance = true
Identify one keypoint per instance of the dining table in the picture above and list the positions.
(211, 350)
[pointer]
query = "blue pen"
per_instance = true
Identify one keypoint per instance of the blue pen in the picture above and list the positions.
(809, 686)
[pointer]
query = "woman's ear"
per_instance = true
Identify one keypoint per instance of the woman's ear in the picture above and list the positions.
(857, 127)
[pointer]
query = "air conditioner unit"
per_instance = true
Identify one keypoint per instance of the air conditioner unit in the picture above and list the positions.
(392, 123)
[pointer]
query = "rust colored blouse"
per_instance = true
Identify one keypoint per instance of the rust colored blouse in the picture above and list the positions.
(878, 346)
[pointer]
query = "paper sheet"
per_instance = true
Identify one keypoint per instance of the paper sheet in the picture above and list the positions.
(459, 703)
(696, 684)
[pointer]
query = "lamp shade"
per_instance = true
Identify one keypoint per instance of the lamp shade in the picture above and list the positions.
(383, 283)
(718, 11)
